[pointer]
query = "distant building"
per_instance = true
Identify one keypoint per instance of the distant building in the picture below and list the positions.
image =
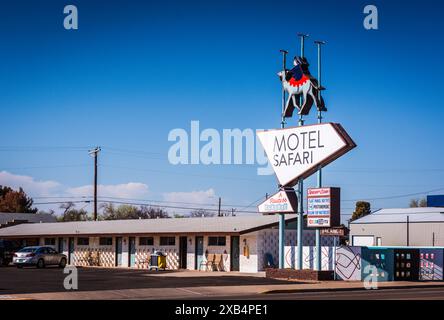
(9, 219)
(399, 227)
(435, 201)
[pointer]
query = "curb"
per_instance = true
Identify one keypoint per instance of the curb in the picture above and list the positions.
(349, 289)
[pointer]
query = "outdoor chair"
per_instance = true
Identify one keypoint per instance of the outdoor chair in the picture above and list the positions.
(217, 263)
(144, 263)
(208, 263)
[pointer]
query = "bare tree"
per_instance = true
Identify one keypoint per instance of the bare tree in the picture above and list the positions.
(201, 213)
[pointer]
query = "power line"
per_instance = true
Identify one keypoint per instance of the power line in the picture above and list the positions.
(139, 204)
(397, 196)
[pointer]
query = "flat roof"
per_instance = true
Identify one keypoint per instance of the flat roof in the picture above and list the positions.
(400, 215)
(236, 225)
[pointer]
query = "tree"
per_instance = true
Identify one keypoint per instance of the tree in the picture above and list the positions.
(126, 211)
(72, 214)
(362, 209)
(15, 201)
(415, 203)
(201, 213)
(153, 213)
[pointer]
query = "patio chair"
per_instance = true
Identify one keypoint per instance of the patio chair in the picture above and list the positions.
(144, 261)
(217, 263)
(208, 263)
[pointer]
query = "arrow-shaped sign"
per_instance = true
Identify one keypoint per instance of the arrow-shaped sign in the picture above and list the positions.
(285, 201)
(298, 152)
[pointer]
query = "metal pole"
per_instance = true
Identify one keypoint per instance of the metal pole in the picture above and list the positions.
(282, 215)
(334, 255)
(408, 232)
(299, 265)
(318, 261)
(218, 211)
(281, 240)
(94, 153)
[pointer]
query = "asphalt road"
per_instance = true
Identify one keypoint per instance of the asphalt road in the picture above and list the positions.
(380, 294)
(50, 279)
(179, 285)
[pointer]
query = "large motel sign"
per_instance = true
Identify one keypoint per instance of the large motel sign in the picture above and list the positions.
(298, 152)
(295, 153)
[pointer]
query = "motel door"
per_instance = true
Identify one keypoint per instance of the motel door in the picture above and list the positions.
(234, 254)
(132, 251)
(183, 252)
(118, 251)
(71, 251)
(60, 245)
(199, 252)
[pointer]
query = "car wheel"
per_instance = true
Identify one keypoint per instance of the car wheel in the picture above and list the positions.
(62, 263)
(40, 264)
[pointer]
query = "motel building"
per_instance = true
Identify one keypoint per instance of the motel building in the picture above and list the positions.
(239, 243)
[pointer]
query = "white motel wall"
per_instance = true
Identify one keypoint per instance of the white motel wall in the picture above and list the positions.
(243, 242)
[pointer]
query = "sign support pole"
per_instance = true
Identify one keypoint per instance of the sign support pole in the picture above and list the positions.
(282, 215)
(300, 225)
(318, 261)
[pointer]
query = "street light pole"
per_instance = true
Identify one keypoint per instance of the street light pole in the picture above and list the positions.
(282, 215)
(318, 261)
(301, 181)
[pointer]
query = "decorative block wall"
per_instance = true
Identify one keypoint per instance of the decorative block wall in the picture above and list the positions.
(268, 243)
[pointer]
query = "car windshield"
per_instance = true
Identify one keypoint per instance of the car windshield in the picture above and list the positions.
(28, 250)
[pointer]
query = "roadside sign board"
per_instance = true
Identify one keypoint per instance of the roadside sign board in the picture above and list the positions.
(324, 209)
(298, 152)
(326, 232)
(285, 201)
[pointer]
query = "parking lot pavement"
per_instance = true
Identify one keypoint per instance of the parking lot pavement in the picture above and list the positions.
(15, 281)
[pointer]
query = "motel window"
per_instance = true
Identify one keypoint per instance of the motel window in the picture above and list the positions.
(146, 241)
(50, 241)
(167, 241)
(82, 241)
(216, 241)
(108, 241)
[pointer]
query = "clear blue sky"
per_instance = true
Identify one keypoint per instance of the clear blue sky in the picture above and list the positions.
(137, 69)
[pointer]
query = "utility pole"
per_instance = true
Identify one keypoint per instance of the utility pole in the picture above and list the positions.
(318, 261)
(219, 212)
(95, 153)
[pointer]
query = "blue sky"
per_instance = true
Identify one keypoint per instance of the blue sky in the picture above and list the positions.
(135, 70)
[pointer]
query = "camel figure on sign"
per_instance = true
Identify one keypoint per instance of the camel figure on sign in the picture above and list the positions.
(298, 82)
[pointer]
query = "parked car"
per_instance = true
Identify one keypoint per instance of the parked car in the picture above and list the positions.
(7, 250)
(39, 257)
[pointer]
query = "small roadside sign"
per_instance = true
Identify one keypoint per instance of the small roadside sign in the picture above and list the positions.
(285, 201)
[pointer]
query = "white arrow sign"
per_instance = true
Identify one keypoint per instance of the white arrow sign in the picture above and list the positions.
(285, 201)
(298, 152)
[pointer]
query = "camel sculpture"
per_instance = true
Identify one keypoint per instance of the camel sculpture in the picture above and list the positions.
(298, 82)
